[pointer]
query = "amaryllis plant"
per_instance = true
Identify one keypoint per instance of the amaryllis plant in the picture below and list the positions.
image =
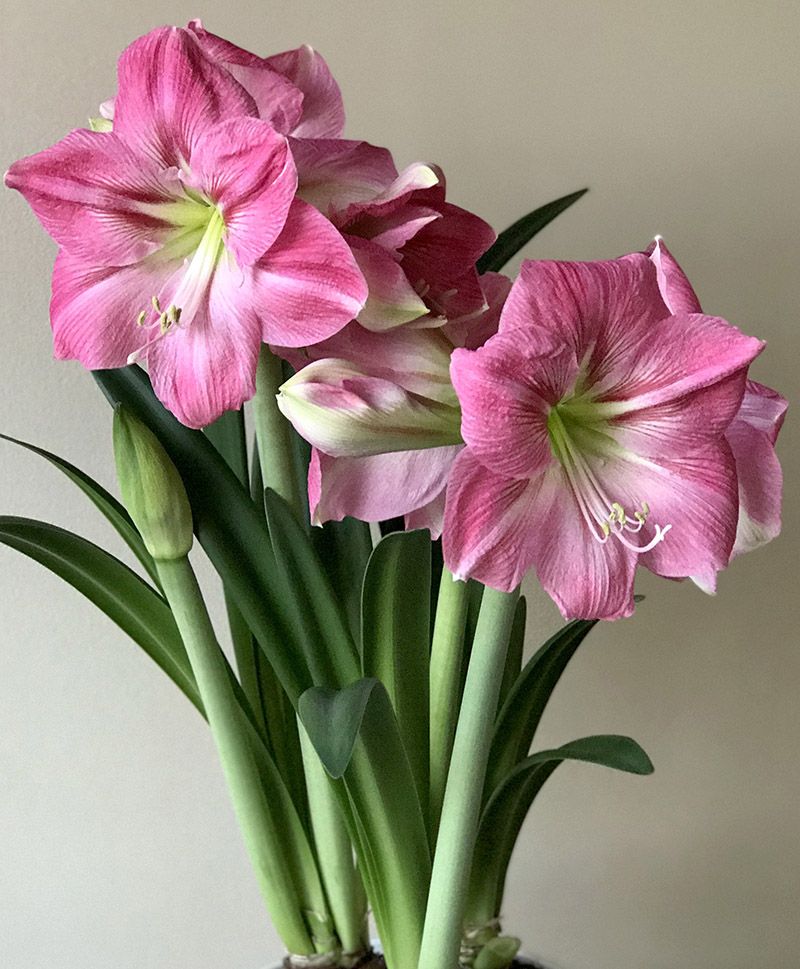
(426, 433)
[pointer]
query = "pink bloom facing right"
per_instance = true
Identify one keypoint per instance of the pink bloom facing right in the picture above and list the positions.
(595, 422)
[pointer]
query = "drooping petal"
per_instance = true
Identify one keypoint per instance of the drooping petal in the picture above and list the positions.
(307, 286)
(277, 99)
(336, 174)
(763, 408)
(93, 311)
(378, 487)
(323, 108)
(506, 389)
(203, 369)
(347, 412)
(170, 93)
(97, 198)
(676, 290)
(392, 301)
(244, 166)
(430, 516)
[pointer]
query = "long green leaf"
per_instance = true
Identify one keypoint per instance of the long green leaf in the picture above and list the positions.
(355, 733)
(344, 548)
(395, 638)
(229, 526)
(114, 588)
(512, 239)
(523, 707)
(317, 617)
(105, 502)
(508, 807)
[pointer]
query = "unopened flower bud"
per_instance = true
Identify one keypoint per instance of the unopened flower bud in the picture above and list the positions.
(152, 489)
(344, 411)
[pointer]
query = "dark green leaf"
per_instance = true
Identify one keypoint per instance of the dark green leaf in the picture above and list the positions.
(516, 647)
(508, 807)
(105, 502)
(358, 738)
(523, 708)
(114, 588)
(512, 239)
(395, 636)
(344, 548)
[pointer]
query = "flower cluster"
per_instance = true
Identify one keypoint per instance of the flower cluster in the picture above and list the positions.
(587, 419)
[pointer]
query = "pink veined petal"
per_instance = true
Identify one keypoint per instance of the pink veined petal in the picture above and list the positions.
(430, 516)
(244, 166)
(169, 93)
(394, 230)
(336, 174)
(763, 408)
(682, 354)
(417, 360)
(93, 310)
(506, 389)
(605, 310)
(442, 257)
(473, 333)
(308, 286)
(207, 367)
(695, 495)
(379, 486)
(96, 197)
(323, 108)
(415, 180)
(676, 290)
(277, 99)
(392, 301)
(760, 486)
(683, 424)
(496, 529)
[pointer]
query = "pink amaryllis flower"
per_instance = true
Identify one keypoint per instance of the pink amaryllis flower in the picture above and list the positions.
(751, 434)
(417, 250)
(181, 239)
(382, 414)
(595, 422)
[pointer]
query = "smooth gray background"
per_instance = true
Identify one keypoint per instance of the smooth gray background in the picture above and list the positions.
(117, 846)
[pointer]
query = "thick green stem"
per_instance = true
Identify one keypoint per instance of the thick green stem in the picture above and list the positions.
(264, 836)
(335, 855)
(274, 435)
(441, 939)
(447, 654)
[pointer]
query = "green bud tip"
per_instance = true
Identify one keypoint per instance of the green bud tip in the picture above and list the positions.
(152, 489)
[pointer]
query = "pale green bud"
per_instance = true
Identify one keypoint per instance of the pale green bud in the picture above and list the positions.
(152, 489)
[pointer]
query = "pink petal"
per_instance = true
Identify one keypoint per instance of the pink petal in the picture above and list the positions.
(680, 355)
(415, 180)
(379, 486)
(169, 93)
(96, 197)
(207, 367)
(506, 390)
(244, 166)
(392, 301)
(336, 174)
(497, 528)
(307, 286)
(430, 516)
(93, 310)
(473, 333)
(763, 408)
(417, 360)
(676, 290)
(695, 495)
(277, 99)
(323, 109)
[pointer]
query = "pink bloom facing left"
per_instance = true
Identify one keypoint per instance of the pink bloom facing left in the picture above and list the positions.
(595, 422)
(181, 239)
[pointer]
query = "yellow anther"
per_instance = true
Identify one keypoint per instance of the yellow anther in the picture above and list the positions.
(156, 304)
(141, 318)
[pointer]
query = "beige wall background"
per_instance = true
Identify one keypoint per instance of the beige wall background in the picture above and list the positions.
(117, 845)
